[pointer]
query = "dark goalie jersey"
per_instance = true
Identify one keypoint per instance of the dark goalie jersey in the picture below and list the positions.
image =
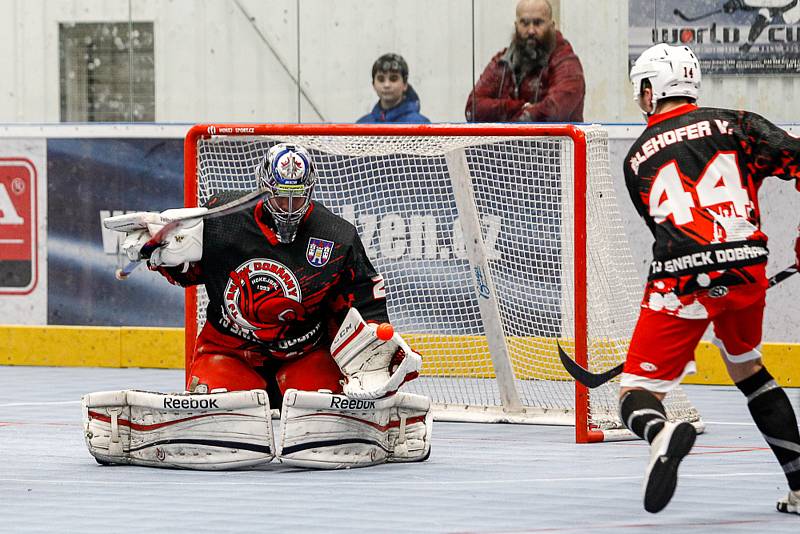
(285, 298)
(694, 176)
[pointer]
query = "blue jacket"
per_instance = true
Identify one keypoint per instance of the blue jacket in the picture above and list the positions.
(407, 111)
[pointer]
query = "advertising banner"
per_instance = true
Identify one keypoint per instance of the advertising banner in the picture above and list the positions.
(18, 221)
(89, 179)
(23, 252)
(729, 37)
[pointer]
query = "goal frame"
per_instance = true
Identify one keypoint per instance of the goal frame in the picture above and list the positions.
(583, 433)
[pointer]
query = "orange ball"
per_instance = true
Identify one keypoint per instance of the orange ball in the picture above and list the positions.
(385, 331)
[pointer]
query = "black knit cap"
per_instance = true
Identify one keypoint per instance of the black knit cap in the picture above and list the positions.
(390, 63)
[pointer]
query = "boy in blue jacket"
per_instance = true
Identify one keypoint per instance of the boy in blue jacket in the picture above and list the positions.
(397, 100)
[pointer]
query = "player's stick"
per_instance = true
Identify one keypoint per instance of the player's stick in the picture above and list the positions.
(588, 379)
(687, 18)
(173, 226)
(593, 380)
(779, 277)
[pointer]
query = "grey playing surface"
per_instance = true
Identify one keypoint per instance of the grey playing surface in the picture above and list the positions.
(479, 479)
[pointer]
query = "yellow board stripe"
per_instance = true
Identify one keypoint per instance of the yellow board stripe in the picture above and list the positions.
(781, 359)
(91, 346)
(459, 356)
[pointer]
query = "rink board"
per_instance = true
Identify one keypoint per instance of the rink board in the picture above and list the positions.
(162, 348)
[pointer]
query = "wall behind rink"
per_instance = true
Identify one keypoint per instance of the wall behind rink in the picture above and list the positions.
(256, 61)
(310, 60)
(599, 33)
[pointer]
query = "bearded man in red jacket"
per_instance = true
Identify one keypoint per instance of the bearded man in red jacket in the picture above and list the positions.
(538, 78)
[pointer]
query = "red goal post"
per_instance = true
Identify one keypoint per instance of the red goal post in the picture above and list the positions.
(496, 241)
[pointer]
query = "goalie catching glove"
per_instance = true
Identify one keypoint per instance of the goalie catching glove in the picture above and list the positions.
(182, 247)
(373, 368)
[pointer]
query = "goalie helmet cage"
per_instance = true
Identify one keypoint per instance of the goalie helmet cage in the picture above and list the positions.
(495, 241)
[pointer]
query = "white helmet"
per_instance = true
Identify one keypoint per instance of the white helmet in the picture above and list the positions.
(287, 173)
(671, 70)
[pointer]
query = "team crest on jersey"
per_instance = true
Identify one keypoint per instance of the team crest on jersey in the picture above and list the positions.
(319, 251)
(263, 296)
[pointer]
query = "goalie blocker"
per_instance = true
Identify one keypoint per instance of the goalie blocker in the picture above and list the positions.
(180, 246)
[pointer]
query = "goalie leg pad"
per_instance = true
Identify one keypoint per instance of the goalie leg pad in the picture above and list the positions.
(321, 430)
(207, 432)
(411, 424)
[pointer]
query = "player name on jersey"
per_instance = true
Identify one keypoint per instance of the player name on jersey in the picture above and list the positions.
(691, 131)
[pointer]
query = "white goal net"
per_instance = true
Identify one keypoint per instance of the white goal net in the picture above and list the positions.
(477, 236)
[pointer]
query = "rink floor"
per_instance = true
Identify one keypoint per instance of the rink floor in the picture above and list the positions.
(479, 479)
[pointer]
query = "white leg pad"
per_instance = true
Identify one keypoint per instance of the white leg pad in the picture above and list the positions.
(410, 428)
(217, 431)
(325, 431)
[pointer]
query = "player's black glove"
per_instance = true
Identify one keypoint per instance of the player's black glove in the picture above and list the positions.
(732, 5)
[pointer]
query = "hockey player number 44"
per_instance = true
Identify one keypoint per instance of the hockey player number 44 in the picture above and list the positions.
(720, 182)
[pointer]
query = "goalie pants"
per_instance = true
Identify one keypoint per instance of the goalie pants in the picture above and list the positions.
(662, 348)
(220, 362)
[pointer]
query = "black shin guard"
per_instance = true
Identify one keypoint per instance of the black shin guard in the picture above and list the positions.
(642, 413)
(775, 418)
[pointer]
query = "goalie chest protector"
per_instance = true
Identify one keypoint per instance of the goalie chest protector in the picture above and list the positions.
(282, 296)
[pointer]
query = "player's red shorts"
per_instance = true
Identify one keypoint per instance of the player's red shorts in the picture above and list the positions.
(220, 362)
(668, 330)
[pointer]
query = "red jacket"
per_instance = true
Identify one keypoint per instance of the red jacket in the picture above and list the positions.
(557, 90)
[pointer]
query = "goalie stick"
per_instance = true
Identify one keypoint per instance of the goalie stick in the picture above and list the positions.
(593, 380)
(174, 225)
(687, 18)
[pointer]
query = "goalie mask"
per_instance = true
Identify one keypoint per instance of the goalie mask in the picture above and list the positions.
(287, 175)
(673, 71)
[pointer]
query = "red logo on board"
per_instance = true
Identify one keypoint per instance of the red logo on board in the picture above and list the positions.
(18, 226)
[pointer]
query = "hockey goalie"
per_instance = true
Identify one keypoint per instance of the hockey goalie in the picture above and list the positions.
(296, 320)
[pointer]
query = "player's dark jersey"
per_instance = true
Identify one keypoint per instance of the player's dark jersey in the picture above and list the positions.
(694, 176)
(284, 298)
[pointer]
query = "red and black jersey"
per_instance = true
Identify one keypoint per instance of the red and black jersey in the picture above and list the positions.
(694, 176)
(285, 298)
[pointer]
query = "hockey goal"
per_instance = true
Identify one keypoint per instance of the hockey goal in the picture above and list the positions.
(495, 241)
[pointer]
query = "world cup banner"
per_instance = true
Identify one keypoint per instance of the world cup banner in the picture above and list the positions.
(729, 37)
(18, 226)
